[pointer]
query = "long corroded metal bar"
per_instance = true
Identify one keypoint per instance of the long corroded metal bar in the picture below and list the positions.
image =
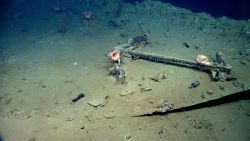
(177, 61)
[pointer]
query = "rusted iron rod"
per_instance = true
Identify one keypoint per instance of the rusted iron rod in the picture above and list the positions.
(177, 61)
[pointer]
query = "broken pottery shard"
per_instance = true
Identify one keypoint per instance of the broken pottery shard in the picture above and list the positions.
(95, 102)
(99, 101)
(209, 91)
(124, 93)
(109, 115)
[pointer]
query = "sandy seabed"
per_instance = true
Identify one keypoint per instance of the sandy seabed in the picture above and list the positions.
(43, 67)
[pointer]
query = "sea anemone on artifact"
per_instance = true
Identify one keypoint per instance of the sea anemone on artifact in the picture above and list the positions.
(87, 15)
(202, 59)
(114, 55)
